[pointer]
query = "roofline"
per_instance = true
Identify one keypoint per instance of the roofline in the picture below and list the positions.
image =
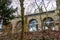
(41, 13)
(38, 13)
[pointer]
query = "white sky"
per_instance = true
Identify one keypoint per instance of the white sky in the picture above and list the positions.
(30, 5)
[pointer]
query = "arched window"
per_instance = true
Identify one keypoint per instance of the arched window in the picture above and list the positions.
(1, 24)
(48, 22)
(33, 25)
(19, 25)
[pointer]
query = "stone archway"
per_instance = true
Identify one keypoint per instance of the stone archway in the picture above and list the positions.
(18, 26)
(33, 25)
(48, 23)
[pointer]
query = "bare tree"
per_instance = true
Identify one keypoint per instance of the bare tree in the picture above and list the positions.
(22, 17)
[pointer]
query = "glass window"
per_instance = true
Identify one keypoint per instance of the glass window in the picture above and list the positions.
(49, 23)
(33, 26)
(1, 23)
(19, 25)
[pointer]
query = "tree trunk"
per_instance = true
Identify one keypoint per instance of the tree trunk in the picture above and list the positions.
(22, 17)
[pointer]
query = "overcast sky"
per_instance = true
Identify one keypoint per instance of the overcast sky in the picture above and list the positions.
(30, 5)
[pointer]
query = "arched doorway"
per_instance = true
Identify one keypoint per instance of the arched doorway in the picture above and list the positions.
(33, 25)
(48, 23)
